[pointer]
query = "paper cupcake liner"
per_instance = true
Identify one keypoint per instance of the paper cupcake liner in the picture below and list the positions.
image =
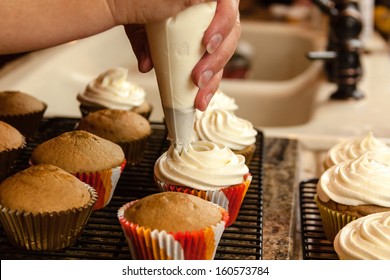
(229, 198)
(27, 124)
(104, 182)
(148, 244)
(46, 231)
(332, 221)
(134, 151)
(7, 161)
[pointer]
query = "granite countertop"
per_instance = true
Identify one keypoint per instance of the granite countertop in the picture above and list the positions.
(281, 238)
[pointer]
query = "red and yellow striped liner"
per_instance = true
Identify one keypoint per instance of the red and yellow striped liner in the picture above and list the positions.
(229, 198)
(149, 244)
(104, 182)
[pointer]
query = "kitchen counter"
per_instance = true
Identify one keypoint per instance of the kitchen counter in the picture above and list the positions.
(281, 238)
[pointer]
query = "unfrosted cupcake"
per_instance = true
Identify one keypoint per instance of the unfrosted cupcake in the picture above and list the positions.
(112, 90)
(44, 208)
(127, 129)
(367, 238)
(222, 127)
(12, 143)
(172, 226)
(22, 111)
(208, 170)
(94, 160)
(353, 189)
(354, 147)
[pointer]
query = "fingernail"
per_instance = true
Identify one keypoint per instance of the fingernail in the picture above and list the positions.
(214, 43)
(208, 97)
(206, 76)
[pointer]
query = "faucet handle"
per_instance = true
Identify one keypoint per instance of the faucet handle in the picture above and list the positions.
(321, 55)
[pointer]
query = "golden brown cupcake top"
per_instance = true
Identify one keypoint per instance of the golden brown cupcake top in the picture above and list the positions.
(79, 151)
(43, 188)
(116, 125)
(173, 212)
(10, 137)
(143, 109)
(17, 103)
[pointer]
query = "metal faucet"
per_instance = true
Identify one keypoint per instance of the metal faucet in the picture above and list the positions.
(342, 57)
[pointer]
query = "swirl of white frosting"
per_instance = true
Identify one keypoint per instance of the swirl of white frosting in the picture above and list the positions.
(364, 180)
(203, 165)
(220, 101)
(223, 127)
(112, 90)
(366, 238)
(352, 148)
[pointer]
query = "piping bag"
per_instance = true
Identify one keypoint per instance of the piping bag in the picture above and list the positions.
(176, 47)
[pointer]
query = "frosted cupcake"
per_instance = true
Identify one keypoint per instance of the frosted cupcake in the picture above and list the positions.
(208, 170)
(352, 148)
(222, 101)
(353, 189)
(367, 238)
(94, 160)
(223, 127)
(172, 226)
(112, 90)
(44, 208)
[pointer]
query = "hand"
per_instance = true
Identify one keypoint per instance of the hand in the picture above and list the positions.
(220, 41)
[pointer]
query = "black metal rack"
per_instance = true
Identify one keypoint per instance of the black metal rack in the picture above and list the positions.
(103, 238)
(315, 246)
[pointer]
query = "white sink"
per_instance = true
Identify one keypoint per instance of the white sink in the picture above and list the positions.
(280, 92)
(283, 83)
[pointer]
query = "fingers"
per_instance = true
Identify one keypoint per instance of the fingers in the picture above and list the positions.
(220, 41)
(205, 93)
(139, 42)
(223, 23)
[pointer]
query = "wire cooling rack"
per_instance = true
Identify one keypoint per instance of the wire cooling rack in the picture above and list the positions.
(314, 243)
(102, 237)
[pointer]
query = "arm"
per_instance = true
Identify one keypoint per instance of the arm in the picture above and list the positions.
(27, 25)
(30, 25)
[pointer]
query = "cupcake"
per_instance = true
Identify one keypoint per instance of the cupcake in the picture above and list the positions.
(172, 226)
(208, 170)
(44, 208)
(353, 189)
(222, 127)
(352, 148)
(11, 145)
(22, 111)
(127, 129)
(94, 160)
(112, 90)
(367, 238)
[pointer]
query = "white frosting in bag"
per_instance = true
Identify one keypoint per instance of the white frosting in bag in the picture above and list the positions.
(176, 47)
